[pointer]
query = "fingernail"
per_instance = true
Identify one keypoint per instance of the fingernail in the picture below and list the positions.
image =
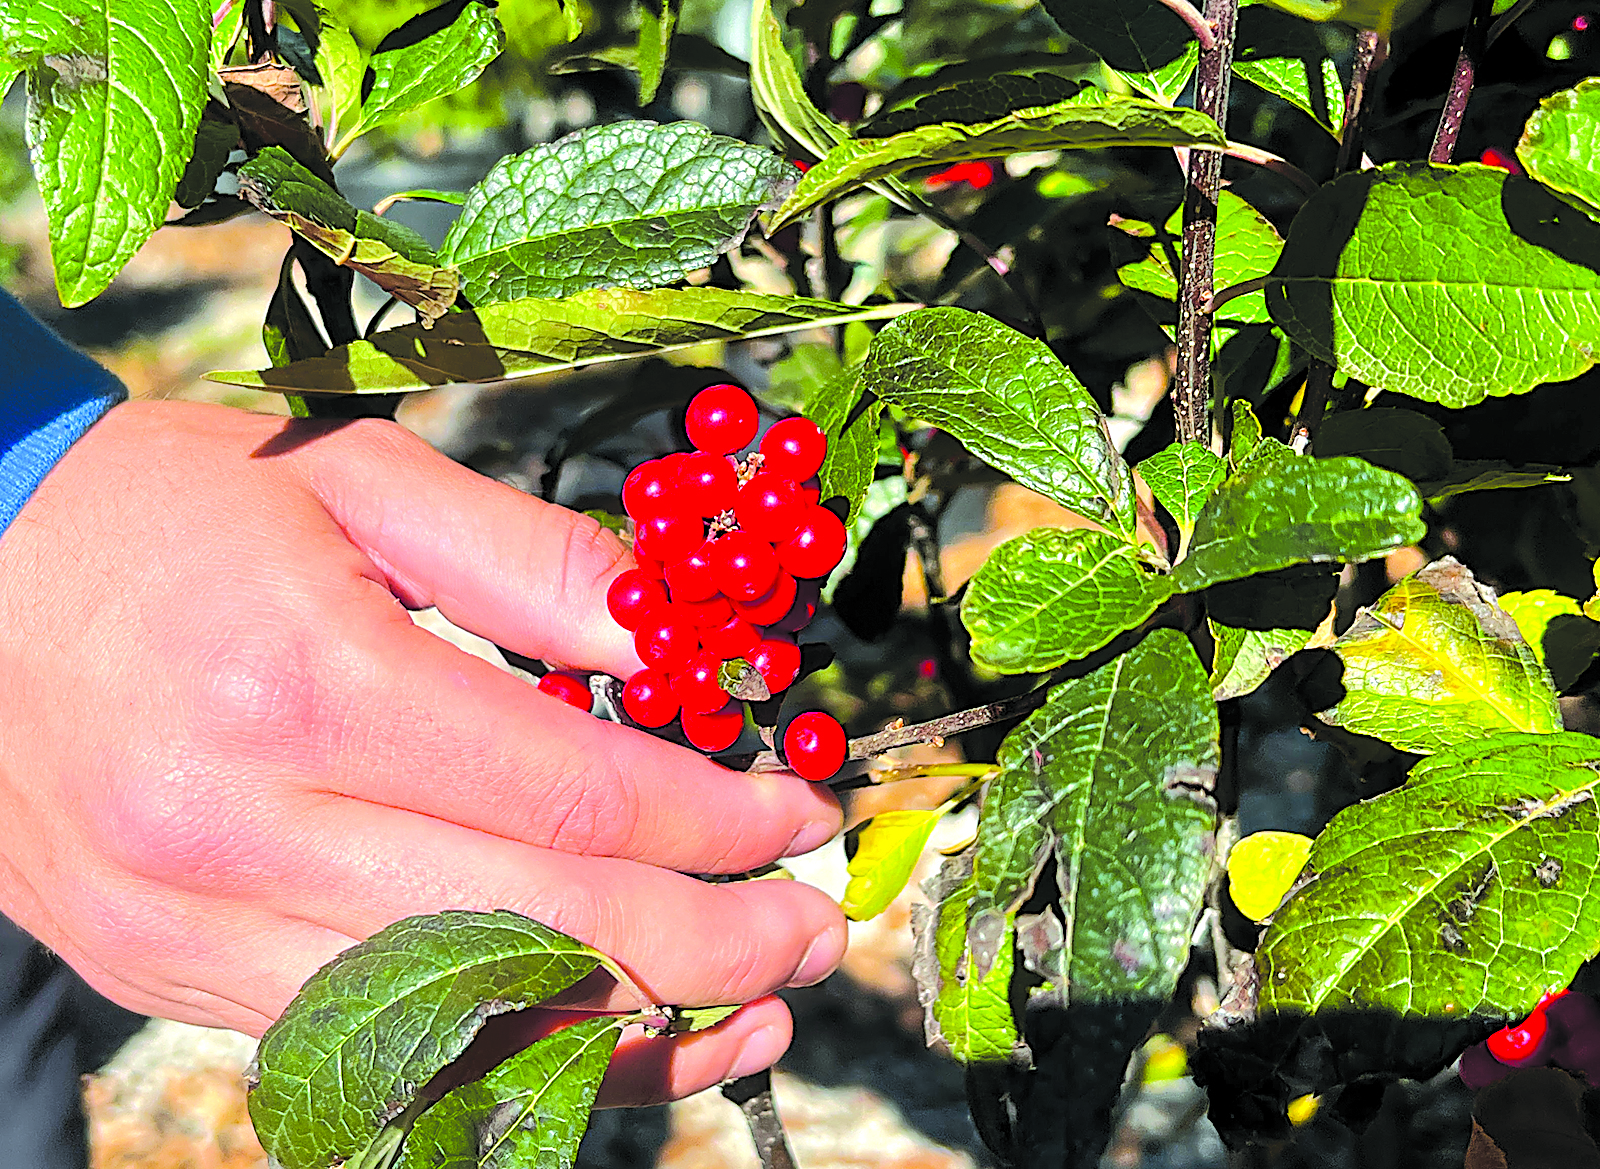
(759, 1052)
(824, 955)
(813, 836)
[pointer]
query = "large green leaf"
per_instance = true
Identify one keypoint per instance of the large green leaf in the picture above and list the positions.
(1277, 511)
(1436, 662)
(528, 1113)
(1008, 400)
(1247, 248)
(1449, 284)
(851, 426)
(377, 1022)
(389, 254)
(630, 205)
(1134, 36)
(1562, 140)
(972, 91)
(1470, 889)
(421, 68)
(524, 338)
(1115, 772)
(1053, 595)
(115, 92)
(968, 1001)
(1091, 119)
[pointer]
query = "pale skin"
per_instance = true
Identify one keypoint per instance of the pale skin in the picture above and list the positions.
(226, 753)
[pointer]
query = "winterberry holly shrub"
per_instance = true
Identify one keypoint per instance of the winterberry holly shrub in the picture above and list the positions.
(1364, 237)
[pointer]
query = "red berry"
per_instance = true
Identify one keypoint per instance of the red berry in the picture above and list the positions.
(648, 490)
(817, 545)
(696, 687)
(706, 614)
(717, 730)
(692, 578)
(777, 660)
(745, 566)
(665, 641)
(650, 566)
(573, 691)
(1519, 1045)
(794, 448)
(707, 484)
(771, 607)
(649, 700)
(807, 594)
(721, 420)
(815, 745)
(734, 638)
(811, 490)
(632, 596)
(769, 506)
(669, 537)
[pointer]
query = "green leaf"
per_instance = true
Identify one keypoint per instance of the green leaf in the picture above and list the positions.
(1310, 85)
(377, 1022)
(1247, 248)
(1134, 36)
(972, 91)
(968, 1003)
(1561, 635)
(1402, 441)
(777, 90)
(1449, 284)
(888, 850)
(1262, 868)
(419, 70)
(851, 426)
(1436, 662)
(342, 65)
(1008, 400)
(1489, 475)
(1277, 511)
(1166, 83)
(657, 19)
(115, 92)
(223, 37)
(1533, 611)
(1117, 770)
(289, 332)
(213, 142)
(630, 204)
(1092, 119)
(1382, 15)
(1182, 477)
(1052, 595)
(524, 338)
(528, 1113)
(1562, 140)
(389, 254)
(1469, 890)
(1245, 657)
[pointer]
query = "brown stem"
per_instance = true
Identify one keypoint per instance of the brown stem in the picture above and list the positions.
(1371, 49)
(1191, 385)
(939, 729)
(753, 1095)
(1473, 43)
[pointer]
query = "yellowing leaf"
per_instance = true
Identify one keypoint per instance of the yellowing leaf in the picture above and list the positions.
(1534, 610)
(1262, 867)
(890, 846)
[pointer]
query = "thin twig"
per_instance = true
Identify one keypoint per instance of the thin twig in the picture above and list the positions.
(753, 1095)
(1473, 42)
(1191, 386)
(1267, 160)
(1371, 50)
(1233, 291)
(1199, 25)
(1509, 18)
(939, 729)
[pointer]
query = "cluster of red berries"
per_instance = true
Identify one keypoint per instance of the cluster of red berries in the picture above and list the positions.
(732, 553)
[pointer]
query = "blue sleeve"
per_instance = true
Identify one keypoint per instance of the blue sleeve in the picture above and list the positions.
(50, 394)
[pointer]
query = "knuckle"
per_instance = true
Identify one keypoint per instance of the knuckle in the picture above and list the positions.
(181, 828)
(590, 813)
(591, 553)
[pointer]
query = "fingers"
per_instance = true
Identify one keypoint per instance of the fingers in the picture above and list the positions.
(485, 750)
(683, 941)
(523, 573)
(652, 1070)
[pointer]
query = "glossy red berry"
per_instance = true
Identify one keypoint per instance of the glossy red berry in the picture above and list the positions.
(696, 687)
(721, 420)
(692, 578)
(648, 699)
(777, 660)
(650, 566)
(707, 484)
(794, 448)
(769, 506)
(745, 566)
(706, 614)
(817, 545)
(734, 638)
(1519, 1045)
(666, 642)
(811, 490)
(815, 746)
(669, 537)
(717, 730)
(772, 607)
(573, 691)
(632, 596)
(648, 490)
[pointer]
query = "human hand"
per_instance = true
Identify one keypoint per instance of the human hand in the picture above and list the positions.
(226, 753)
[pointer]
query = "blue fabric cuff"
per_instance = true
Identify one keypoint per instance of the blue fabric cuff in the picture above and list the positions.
(50, 394)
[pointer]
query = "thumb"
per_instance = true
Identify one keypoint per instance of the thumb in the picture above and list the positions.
(527, 575)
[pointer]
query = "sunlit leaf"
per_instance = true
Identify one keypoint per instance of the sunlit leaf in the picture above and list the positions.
(890, 845)
(1262, 868)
